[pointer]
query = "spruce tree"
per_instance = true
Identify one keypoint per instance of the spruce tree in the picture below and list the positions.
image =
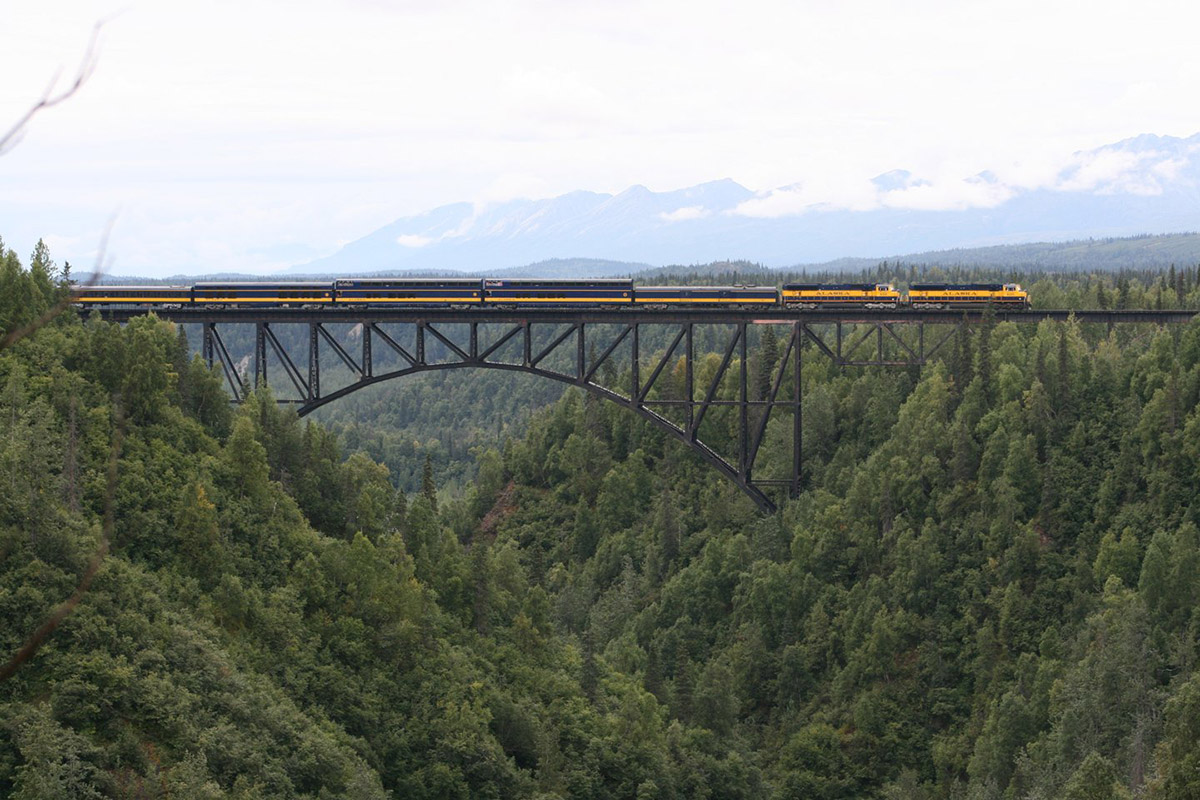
(985, 352)
(587, 533)
(963, 368)
(481, 580)
(668, 536)
(1122, 292)
(41, 266)
(428, 488)
(1064, 378)
(768, 354)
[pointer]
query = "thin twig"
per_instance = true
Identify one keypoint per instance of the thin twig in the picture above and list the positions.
(34, 642)
(48, 99)
(7, 141)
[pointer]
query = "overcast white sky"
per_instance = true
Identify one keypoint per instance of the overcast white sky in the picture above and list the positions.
(255, 135)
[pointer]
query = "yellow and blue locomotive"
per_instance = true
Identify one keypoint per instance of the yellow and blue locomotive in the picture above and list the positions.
(967, 295)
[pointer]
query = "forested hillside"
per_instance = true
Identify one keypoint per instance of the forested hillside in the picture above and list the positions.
(1109, 254)
(989, 588)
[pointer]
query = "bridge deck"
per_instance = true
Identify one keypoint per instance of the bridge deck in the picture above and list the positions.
(698, 316)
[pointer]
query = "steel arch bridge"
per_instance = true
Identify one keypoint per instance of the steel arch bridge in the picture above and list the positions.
(578, 347)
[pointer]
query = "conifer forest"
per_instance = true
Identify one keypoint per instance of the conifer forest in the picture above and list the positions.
(474, 585)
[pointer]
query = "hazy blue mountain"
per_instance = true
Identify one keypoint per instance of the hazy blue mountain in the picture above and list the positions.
(637, 225)
(1147, 184)
(1132, 252)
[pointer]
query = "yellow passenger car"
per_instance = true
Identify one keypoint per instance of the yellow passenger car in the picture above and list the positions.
(840, 295)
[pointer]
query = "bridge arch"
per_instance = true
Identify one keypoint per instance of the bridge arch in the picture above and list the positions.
(760, 498)
(569, 344)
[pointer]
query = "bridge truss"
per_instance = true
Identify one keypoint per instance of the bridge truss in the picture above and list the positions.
(680, 370)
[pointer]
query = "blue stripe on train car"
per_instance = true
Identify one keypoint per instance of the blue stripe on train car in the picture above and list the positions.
(548, 295)
(711, 294)
(367, 292)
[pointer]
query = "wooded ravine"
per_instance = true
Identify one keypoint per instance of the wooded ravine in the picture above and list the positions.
(988, 589)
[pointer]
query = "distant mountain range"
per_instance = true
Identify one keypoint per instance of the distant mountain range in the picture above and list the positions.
(1144, 185)
(1135, 252)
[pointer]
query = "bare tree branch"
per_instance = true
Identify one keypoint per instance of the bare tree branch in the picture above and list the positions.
(34, 642)
(7, 141)
(49, 99)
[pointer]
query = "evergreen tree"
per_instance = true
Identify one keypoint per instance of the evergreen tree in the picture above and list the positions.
(667, 532)
(768, 356)
(984, 371)
(962, 367)
(428, 488)
(1065, 385)
(246, 460)
(199, 536)
(42, 270)
(400, 509)
(586, 531)
(1179, 754)
(481, 579)
(1094, 780)
(589, 674)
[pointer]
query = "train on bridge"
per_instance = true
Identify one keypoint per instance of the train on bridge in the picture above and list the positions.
(365, 293)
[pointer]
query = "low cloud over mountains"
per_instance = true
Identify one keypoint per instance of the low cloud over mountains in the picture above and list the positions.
(1147, 184)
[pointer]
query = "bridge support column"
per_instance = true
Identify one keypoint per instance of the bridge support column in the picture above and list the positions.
(206, 344)
(689, 378)
(743, 408)
(368, 368)
(635, 382)
(797, 422)
(260, 354)
(580, 353)
(314, 362)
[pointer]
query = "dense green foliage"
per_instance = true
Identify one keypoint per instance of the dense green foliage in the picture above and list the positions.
(447, 417)
(989, 589)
